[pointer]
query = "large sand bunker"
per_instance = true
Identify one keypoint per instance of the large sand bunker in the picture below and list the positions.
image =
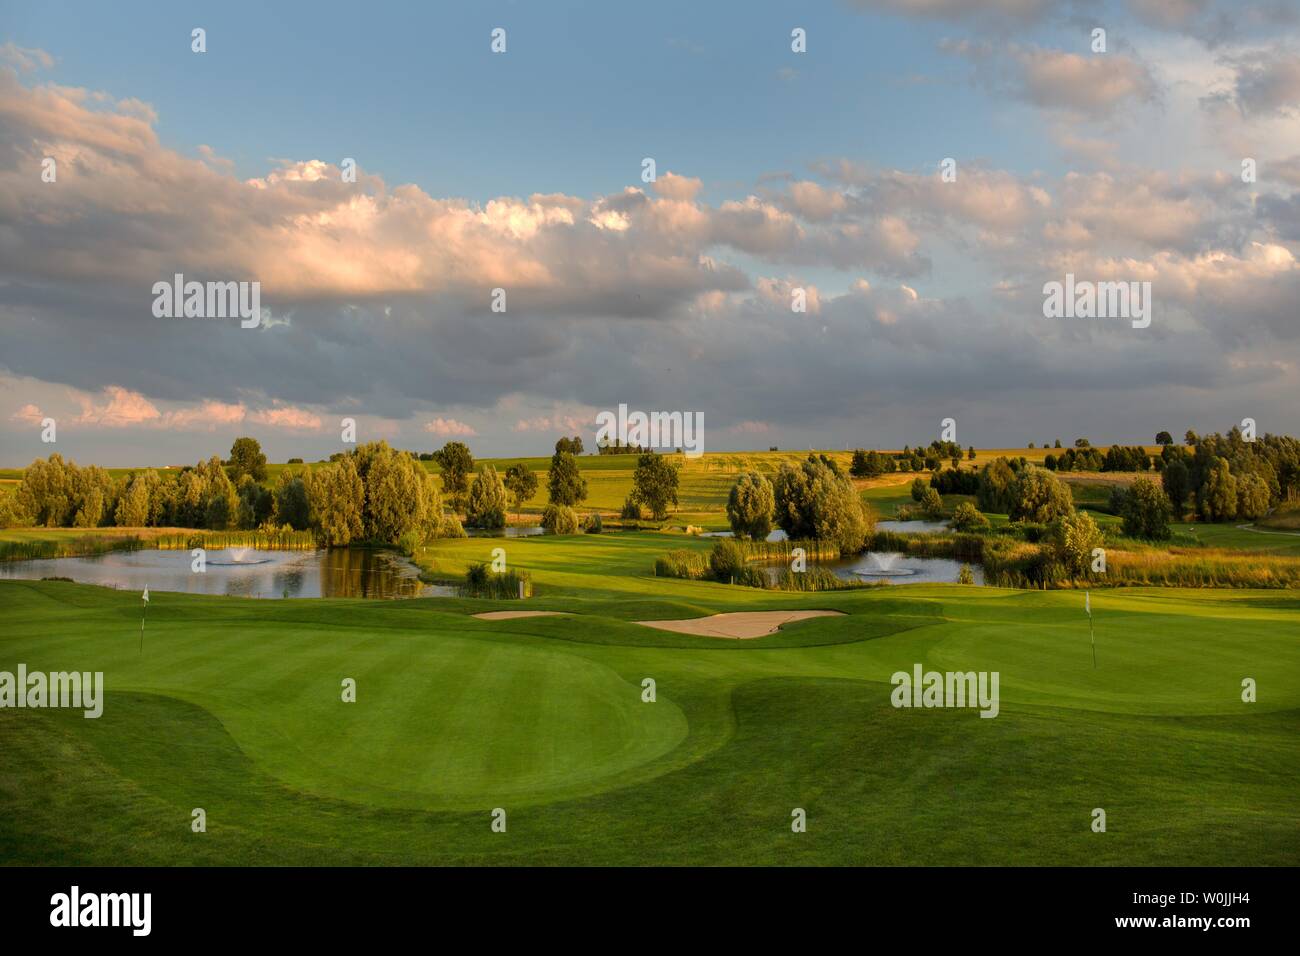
(509, 615)
(737, 624)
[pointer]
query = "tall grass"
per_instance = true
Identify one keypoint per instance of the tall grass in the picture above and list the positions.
(482, 582)
(818, 579)
(80, 547)
(771, 552)
(1202, 568)
(683, 563)
(216, 540)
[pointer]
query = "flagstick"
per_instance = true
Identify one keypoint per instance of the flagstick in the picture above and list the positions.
(1093, 638)
(142, 614)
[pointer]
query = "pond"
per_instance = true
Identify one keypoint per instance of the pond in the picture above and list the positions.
(894, 568)
(899, 568)
(242, 572)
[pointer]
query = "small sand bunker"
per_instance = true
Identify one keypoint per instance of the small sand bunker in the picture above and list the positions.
(738, 624)
(508, 615)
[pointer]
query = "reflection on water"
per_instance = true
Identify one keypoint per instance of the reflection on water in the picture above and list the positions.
(241, 572)
(775, 535)
(916, 527)
(509, 531)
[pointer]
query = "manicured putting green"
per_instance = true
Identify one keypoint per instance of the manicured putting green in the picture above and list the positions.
(457, 722)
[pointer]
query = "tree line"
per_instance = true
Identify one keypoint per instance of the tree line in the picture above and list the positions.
(873, 464)
(373, 494)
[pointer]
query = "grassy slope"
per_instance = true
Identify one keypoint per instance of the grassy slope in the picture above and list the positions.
(234, 707)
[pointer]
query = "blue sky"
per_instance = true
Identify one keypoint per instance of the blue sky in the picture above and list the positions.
(815, 170)
(585, 91)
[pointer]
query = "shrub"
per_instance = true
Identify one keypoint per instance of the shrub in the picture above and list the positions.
(918, 489)
(408, 544)
(968, 518)
(631, 510)
(932, 504)
(449, 526)
(965, 575)
(726, 559)
(560, 519)
(1031, 531)
(592, 523)
(1073, 538)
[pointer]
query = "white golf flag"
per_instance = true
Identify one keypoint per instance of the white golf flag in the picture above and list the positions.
(146, 594)
(1087, 601)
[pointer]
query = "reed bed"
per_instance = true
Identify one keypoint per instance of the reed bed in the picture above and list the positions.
(818, 579)
(217, 540)
(510, 585)
(766, 552)
(1202, 568)
(79, 547)
(683, 563)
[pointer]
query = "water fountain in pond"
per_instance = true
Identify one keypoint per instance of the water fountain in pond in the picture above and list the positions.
(237, 560)
(884, 562)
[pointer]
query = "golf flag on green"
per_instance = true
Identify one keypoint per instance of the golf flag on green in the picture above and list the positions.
(143, 608)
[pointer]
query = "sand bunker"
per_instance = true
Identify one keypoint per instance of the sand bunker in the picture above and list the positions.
(508, 615)
(737, 624)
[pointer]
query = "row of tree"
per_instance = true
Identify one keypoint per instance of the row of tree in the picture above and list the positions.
(872, 464)
(373, 493)
(1116, 458)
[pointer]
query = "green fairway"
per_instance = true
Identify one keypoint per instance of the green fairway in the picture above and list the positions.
(234, 706)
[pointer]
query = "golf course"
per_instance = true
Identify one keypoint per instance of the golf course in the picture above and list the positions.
(234, 706)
